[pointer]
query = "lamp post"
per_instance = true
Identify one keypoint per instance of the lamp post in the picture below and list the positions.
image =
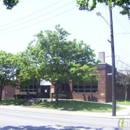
(113, 60)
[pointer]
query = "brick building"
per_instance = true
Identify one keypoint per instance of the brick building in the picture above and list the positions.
(9, 91)
(100, 91)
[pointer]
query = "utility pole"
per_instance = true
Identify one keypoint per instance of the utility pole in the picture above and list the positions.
(113, 60)
(113, 65)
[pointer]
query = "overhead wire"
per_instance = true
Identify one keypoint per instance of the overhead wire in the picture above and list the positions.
(125, 17)
(121, 23)
(36, 17)
(31, 14)
(39, 22)
(123, 51)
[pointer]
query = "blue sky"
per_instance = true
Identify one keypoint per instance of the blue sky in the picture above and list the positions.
(19, 25)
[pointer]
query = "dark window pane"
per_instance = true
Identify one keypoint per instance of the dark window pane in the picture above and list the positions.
(94, 91)
(87, 91)
(95, 87)
(87, 87)
(81, 90)
(81, 86)
(75, 87)
(75, 90)
(35, 86)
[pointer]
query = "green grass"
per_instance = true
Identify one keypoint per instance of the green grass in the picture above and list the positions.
(76, 106)
(12, 102)
(123, 102)
(66, 105)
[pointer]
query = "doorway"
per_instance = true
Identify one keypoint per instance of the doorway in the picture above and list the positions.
(45, 90)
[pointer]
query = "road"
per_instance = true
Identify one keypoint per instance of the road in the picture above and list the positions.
(23, 120)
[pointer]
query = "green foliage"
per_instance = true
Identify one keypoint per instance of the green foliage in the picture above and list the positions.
(10, 3)
(53, 58)
(91, 4)
(7, 69)
(61, 60)
(27, 67)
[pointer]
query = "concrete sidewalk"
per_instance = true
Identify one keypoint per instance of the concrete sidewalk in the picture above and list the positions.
(120, 114)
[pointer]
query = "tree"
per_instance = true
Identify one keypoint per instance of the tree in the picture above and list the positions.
(123, 79)
(91, 5)
(27, 64)
(10, 3)
(61, 60)
(7, 71)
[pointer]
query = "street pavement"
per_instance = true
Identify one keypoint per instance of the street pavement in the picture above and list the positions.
(25, 118)
(28, 120)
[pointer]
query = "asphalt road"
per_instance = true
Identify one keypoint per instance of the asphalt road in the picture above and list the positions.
(22, 120)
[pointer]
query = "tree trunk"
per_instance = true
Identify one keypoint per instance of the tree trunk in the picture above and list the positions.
(56, 96)
(0, 93)
(125, 94)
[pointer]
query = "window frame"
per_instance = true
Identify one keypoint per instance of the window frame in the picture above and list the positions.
(88, 88)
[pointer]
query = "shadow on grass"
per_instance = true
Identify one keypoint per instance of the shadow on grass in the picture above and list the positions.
(50, 127)
(12, 102)
(76, 106)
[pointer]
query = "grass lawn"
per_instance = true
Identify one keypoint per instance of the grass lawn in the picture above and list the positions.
(66, 105)
(123, 102)
(12, 102)
(77, 106)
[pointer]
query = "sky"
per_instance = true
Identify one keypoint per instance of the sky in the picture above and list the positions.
(19, 25)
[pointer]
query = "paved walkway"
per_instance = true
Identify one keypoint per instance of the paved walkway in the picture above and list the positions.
(125, 113)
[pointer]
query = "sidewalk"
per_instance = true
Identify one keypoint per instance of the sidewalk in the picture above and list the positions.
(120, 114)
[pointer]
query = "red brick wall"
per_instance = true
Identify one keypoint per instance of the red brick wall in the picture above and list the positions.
(9, 91)
(51, 90)
(85, 96)
(101, 84)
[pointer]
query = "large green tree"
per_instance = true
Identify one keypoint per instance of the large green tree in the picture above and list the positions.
(7, 70)
(10, 3)
(91, 4)
(61, 60)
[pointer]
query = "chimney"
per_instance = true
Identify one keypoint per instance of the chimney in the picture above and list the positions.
(101, 57)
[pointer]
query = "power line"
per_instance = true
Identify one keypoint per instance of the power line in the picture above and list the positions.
(97, 41)
(31, 14)
(122, 50)
(124, 33)
(40, 21)
(121, 23)
(37, 17)
(125, 17)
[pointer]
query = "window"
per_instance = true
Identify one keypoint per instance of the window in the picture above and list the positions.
(85, 88)
(75, 88)
(31, 88)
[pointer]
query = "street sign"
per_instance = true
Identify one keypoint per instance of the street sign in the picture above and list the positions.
(109, 73)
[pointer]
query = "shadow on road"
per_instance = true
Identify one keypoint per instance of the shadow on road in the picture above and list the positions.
(56, 127)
